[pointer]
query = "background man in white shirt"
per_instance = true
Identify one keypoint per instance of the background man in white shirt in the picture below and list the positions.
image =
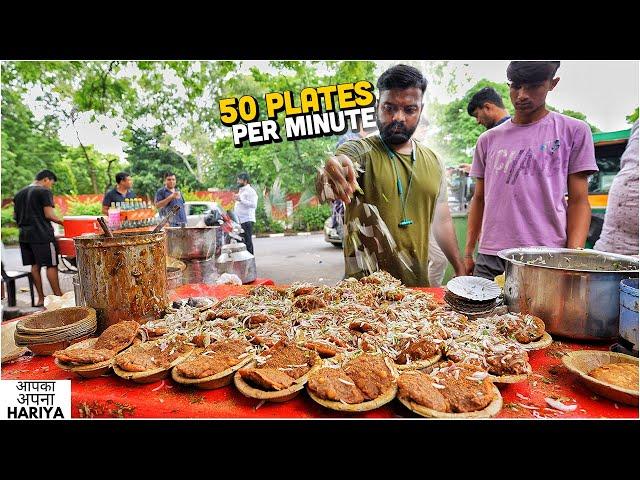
(246, 203)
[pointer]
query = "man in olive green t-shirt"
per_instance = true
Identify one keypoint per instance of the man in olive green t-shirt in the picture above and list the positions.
(401, 192)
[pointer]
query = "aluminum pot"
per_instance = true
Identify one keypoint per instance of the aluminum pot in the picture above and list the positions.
(575, 292)
(200, 271)
(191, 243)
(237, 260)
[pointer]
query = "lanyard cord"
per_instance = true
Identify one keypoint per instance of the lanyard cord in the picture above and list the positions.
(393, 156)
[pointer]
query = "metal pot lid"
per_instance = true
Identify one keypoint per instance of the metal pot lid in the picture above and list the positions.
(474, 288)
(234, 247)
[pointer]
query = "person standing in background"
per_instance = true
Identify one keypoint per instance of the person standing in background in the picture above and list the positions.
(487, 107)
(245, 208)
(523, 168)
(620, 229)
(169, 196)
(34, 212)
(119, 193)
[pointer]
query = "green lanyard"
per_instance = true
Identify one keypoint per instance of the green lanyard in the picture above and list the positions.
(393, 156)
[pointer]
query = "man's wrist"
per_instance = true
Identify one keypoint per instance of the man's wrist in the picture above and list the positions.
(468, 255)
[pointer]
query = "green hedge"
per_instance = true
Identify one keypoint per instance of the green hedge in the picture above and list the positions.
(310, 219)
(79, 207)
(7, 217)
(10, 235)
(263, 223)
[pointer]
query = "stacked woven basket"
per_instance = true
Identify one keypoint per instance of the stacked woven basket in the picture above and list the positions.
(44, 333)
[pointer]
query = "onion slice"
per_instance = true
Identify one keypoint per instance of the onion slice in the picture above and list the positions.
(559, 405)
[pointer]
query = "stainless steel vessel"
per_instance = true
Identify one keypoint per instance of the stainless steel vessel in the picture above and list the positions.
(200, 271)
(188, 243)
(236, 259)
(575, 292)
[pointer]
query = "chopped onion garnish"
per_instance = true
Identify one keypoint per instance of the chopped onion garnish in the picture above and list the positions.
(158, 387)
(346, 382)
(558, 405)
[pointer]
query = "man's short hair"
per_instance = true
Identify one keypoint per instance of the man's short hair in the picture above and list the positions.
(487, 94)
(402, 77)
(244, 176)
(531, 72)
(168, 174)
(120, 176)
(42, 174)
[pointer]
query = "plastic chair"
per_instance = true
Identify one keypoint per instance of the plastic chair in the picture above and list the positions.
(10, 278)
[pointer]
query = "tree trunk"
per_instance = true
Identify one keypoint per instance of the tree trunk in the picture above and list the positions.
(108, 184)
(187, 164)
(92, 170)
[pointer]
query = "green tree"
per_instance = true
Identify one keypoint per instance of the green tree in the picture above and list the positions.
(633, 117)
(292, 163)
(28, 145)
(148, 161)
(71, 170)
(73, 88)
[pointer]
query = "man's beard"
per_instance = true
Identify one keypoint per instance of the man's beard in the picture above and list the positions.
(395, 133)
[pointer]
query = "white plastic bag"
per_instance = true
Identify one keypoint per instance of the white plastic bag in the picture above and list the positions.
(228, 279)
(54, 302)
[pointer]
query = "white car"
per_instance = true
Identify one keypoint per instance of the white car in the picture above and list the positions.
(196, 211)
(332, 235)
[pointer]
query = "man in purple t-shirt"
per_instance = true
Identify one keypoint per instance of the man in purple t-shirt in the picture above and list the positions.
(523, 169)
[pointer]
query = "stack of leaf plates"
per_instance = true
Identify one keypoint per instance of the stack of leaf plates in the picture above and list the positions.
(472, 295)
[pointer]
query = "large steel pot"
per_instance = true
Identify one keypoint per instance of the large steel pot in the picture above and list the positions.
(575, 292)
(200, 271)
(123, 277)
(191, 243)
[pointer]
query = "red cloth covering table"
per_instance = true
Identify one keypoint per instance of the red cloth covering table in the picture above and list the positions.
(110, 396)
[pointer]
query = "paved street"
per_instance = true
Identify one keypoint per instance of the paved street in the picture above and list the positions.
(300, 258)
(283, 259)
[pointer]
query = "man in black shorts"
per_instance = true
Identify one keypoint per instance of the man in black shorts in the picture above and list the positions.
(34, 212)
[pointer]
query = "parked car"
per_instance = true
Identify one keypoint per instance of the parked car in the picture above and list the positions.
(333, 235)
(197, 211)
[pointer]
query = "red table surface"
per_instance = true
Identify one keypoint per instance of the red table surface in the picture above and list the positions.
(110, 396)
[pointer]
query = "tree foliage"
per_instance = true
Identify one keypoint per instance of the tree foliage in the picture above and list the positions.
(28, 145)
(149, 160)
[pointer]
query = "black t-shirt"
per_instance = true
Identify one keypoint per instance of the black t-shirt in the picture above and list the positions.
(29, 206)
(114, 195)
